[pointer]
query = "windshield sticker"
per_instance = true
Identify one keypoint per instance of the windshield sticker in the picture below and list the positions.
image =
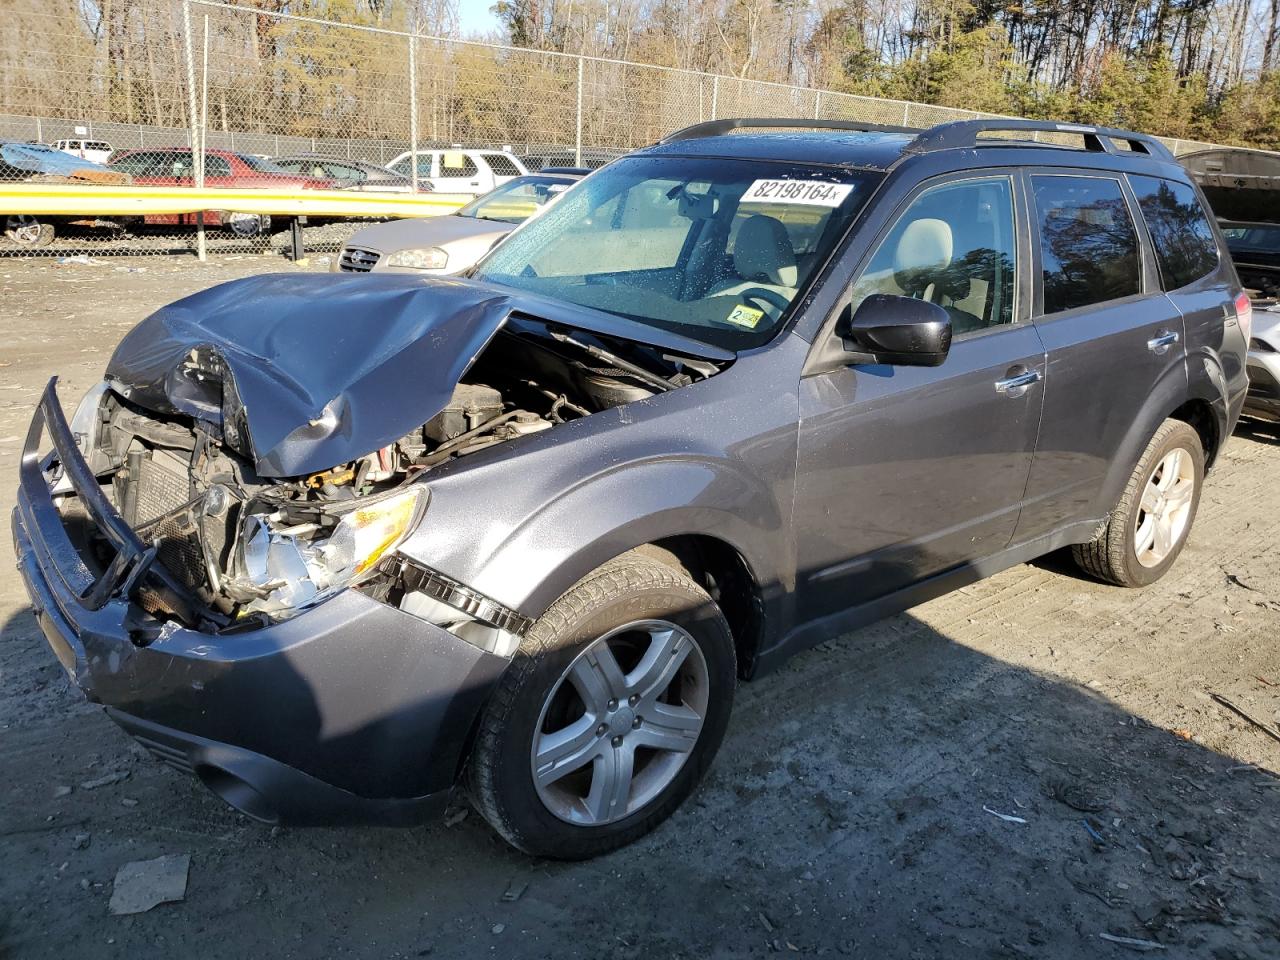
(814, 193)
(748, 317)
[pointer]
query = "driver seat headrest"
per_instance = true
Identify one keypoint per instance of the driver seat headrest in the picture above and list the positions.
(762, 252)
(922, 256)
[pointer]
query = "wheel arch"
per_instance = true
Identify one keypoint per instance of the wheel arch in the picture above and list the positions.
(1201, 404)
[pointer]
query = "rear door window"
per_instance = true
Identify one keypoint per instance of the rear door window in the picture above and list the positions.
(453, 164)
(501, 165)
(1088, 244)
(216, 167)
(1185, 246)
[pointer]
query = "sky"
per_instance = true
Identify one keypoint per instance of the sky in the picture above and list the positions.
(476, 17)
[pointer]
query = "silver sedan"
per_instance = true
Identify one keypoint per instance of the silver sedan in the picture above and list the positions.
(447, 245)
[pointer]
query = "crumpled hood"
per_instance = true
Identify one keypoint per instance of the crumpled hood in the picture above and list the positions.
(321, 369)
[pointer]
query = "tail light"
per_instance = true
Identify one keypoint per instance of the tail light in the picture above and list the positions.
(1244, 314)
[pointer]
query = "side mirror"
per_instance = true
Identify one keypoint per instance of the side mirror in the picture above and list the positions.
(898, 330)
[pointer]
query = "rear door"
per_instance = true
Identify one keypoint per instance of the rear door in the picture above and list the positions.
(1111, 335)
(1194, 278)
(903, 471)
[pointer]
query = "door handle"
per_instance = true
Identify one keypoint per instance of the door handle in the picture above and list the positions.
(1162, 341)
(1016, 385)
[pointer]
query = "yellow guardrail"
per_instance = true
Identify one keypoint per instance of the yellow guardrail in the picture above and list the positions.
(71, 199)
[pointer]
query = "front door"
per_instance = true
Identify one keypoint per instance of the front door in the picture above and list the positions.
(905, 471)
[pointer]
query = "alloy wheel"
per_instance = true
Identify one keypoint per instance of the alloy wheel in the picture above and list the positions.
(23, 229)
(620, 722)
(1165, 509)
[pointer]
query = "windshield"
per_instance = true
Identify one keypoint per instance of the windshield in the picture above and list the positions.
(714, 249)
(516, 200)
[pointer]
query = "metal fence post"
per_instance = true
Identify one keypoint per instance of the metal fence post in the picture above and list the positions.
(817, 105)
(715, 95)
(192, 116)
(413, 107)
(577, 143)
(204, 99)
(906, 114)
(39, 131)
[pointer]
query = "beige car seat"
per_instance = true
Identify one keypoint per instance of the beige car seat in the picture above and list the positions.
(762, 257)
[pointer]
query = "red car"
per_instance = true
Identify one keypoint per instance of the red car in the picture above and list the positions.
(173, 167)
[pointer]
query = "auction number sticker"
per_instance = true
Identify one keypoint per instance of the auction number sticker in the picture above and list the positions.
(813, 193)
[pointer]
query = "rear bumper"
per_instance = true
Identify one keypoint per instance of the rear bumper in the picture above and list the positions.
(351, 711)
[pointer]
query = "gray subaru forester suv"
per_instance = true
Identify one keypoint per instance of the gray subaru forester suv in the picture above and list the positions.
(337, 544)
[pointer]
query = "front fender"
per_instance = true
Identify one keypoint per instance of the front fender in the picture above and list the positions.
(524, 522)
(640, 503)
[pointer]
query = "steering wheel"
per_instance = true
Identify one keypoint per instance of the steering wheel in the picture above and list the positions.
(771, 297)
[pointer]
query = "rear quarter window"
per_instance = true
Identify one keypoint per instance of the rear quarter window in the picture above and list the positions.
(1185, 246)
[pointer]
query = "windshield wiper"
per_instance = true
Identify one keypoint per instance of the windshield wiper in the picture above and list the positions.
(599, 353)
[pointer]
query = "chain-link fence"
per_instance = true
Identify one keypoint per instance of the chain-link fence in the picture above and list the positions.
(291, 103)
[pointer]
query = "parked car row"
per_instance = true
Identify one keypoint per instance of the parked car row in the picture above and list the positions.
(455, 171)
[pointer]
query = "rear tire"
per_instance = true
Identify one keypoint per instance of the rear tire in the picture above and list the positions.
(1148, 528)
(568, 774)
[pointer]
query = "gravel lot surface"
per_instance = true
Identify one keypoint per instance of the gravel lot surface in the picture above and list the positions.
(861, 806)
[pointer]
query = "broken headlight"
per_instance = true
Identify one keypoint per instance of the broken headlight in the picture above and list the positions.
(286, 567)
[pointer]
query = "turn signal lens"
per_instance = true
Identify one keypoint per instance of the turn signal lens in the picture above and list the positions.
(365, 534)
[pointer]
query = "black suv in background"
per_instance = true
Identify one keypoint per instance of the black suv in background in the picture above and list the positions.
(335, 544)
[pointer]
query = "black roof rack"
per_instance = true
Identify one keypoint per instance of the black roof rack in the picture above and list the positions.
(715, 128)
(945, 136)
(965, 133)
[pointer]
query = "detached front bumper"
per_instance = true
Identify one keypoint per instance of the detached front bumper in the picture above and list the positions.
(353, 711)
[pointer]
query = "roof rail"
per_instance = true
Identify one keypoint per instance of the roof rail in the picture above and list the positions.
(715, 128)
(965, 133)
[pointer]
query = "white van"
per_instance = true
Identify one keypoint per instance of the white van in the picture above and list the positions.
(461, 171)
(96, 150)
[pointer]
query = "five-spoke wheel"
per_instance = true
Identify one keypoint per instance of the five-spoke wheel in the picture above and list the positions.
(618, 725)
(1149, 525)
(610, 712)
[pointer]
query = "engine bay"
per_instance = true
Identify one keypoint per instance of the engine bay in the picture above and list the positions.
(250, 547)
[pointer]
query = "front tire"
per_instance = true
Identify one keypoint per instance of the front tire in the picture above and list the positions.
(1149, 526)
(613, 708)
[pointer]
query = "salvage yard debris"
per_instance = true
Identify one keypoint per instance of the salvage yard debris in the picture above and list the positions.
(143, 884)
(1224, 702)
(1142, 946)
(1007, 818)
(105, 781)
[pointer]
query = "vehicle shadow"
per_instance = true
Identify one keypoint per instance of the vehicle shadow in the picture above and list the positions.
(889, 793)
(1259, 430)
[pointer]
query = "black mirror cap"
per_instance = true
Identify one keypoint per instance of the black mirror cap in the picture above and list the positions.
(899, 330)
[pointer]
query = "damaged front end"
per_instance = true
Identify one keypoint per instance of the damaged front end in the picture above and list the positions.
(269, 466)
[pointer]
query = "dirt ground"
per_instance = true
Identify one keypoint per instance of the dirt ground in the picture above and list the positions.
(861, 806)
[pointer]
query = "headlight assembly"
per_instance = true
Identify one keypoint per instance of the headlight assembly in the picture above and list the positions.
(286, 567)
(427, 258)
